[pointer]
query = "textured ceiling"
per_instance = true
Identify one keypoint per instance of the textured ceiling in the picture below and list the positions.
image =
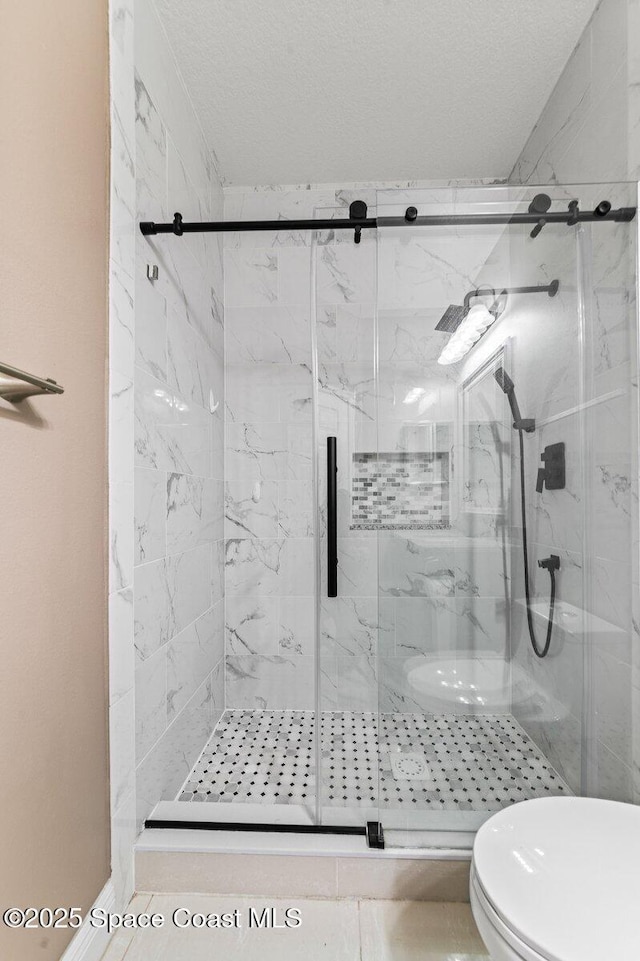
(308, 91)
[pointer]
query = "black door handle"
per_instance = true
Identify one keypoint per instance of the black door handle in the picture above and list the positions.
(332, 518)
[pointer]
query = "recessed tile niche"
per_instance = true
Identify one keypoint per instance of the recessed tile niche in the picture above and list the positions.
(403, 490)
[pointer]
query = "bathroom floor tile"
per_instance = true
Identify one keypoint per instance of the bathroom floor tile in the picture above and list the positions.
(451, 762)
(329, 930)
(419, 931)
(121, 939)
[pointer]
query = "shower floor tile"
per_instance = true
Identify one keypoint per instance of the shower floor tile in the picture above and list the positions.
(463, 762)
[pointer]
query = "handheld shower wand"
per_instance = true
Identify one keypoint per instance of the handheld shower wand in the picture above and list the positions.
(505, 383)
(552, 563)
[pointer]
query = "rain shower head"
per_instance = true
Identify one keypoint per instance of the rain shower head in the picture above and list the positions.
(467, 324)
(452, 318)
(456, 313)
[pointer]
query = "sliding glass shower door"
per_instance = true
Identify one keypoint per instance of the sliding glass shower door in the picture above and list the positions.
(470, 318)
(349, 629)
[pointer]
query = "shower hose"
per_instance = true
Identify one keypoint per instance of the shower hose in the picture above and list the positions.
(538, 651)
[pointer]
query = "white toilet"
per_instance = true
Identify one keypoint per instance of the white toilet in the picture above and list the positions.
(558, 879)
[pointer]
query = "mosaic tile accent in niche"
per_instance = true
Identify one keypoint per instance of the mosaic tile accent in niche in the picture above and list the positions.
(405, 490)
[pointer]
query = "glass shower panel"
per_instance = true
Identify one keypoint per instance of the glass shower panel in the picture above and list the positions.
(471, 718)
(344, 301)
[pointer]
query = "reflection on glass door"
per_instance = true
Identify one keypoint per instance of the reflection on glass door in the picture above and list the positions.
(344, 305)
(472, 718)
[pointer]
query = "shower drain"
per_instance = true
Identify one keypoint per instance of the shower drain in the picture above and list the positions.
(409, 767)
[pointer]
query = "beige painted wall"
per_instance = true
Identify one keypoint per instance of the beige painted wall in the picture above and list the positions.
(54, 807)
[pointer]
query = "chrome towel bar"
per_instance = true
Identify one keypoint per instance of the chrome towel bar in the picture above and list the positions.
(16, 385)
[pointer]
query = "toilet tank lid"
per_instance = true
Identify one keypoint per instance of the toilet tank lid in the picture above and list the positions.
(564, 875)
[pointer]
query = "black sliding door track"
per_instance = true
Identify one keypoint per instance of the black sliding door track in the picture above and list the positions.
(372, 830)
(358, 220)
(244, 826)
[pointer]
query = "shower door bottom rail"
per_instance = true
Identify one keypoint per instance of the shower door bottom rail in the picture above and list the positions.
(372, 830)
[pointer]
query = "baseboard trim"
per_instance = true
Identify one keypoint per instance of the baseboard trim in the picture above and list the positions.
(89, 943)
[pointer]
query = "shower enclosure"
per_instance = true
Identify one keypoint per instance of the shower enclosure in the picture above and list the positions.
(380, 667)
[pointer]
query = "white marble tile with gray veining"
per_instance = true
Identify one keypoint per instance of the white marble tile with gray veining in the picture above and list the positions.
(296, 625)
(166, 766)
(413, 567)
(193, 511)
(191, 656)
(217, 570)
(296, 511)
(251, 277)
(121, 321)
(251, 509)
(151, 701)
(150, 521)
(151, 158)
(349, 625)
(121, 649)
(122, 748)
(252, 625)
(268, 452)
(151, 317)
(189, 579)
(191, 365)
(152, 600)
(270, 683)
(120, 535)
(346, 274)
(268, 334)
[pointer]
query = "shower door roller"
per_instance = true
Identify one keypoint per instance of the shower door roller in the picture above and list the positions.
(332, 518)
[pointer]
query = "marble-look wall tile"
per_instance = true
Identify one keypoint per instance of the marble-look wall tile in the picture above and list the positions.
(250, 278)
(121, 428)
(252, 625)
(151, 158)
(121, 647)
(349, 625)
(217, 570)
(251, 508)
(122, 748)
(296, 509)
(121, 373)
(269, 566)
(152, 599)
(270, 683)
(189, 577)
(121, 548)
(191, 366)
(346, 274)
(269, 334)
(151, 701)
(269, 393)
(612, 705)
(150, 536)
(123, 188)
(170, 433)
(193, 511)
(151, 316)
(165, 767)
(156, 66)
(121, 321)
(296, 625)
(191, 656)
(266, 452)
